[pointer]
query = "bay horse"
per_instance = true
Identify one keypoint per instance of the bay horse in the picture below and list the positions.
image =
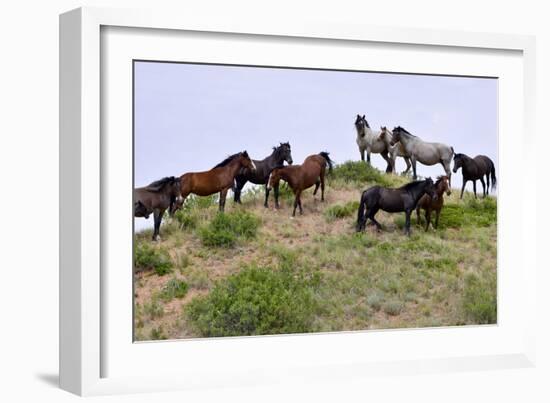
(423, 151)
(395, 150)
(221, 178)
(390, 200)
(369, 141)
(429, 204)
(474, 169)
(300, 177)
(156, 198)
(264, 167)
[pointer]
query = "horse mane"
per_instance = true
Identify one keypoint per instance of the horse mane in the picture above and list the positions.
(330, 162)
(227, 160)
(158, 185)
(410, 185)
(405, 131)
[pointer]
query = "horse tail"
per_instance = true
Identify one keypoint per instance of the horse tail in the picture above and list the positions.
(493, 176)
(330, 162)
(361, 219)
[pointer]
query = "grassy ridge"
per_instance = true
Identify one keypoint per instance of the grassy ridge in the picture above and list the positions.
(257, 271)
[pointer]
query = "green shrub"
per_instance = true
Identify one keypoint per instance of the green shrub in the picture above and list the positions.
(374, 300)
(158, 334)
(255, 301)
(360, 172)
(393, 307)
(187, 219)
(338, 211)
(480, 299)
(174, 288)
(225, 229)
(147, 257)
(153, 309)
(477, 213)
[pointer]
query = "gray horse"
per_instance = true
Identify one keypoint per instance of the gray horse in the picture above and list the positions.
(395, 150)
(368, 140)
(424, 152)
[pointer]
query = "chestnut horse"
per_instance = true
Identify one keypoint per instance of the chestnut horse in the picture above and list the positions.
(221, 178)
(429, 204)
(300, 177)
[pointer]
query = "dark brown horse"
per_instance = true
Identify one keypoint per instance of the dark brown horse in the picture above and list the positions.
(474, 169)
(429, 204)
(300, 177)
(156, 198)
(397, 200)
(221, 178)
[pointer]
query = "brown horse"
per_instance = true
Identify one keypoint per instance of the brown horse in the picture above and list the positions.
(429, 204)
(221, 178)
(156, 198)
(300, 177)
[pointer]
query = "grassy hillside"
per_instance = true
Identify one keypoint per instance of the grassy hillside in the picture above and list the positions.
(257, 271)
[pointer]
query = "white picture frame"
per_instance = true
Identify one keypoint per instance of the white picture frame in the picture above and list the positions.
(85, 346)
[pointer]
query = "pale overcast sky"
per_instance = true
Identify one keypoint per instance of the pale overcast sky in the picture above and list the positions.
(189, 117)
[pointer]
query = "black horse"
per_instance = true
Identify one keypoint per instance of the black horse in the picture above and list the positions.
(474, 169)
(397, 200)
(264, 167)
(156, 198)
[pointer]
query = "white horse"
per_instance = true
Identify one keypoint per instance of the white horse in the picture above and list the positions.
(368, 140)
(424, 152)
(395, 150)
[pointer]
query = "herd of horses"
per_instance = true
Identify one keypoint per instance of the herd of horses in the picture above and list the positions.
(169, 193)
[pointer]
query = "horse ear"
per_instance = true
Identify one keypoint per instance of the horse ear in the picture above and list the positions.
(363, 116)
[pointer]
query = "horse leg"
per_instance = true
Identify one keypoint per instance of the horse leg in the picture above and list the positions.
(157, 216)
(239, 184)
(488, 182)
(413, 161)
(463, 186)
(428, 218)
(370, 214)
(317, 184)
(437, 212)
(475, 192)
(389, 167)
(362, 151)
(266, 196)
(408, 222)
(418, 216)
(296, 202)
(447, 168)
(408, 162)
(276, 193)
(223, 195)
(368, 155)
(483, 184)
(322, 187)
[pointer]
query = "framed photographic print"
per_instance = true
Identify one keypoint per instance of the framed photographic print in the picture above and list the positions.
(245, 202)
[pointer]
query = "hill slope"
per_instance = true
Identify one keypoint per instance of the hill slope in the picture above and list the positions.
(258, 271)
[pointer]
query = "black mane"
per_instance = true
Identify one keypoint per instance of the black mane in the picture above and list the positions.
(413, 184)
(227, 160)
(405, 131)
(158, 185)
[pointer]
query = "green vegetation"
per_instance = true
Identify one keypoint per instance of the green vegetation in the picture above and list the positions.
(225, 229)
(480, 302)
(338, 211)
(472, 212)
(148, 257)
(174, 288)
(359, 173)
(255, 301)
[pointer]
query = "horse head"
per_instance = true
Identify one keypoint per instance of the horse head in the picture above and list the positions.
(395, 135)
(442, 185)
(246, 162)
(283, 153)
(430, 188)
(458, 162)
(360, 125)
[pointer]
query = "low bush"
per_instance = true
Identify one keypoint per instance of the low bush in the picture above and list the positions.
(360, 173)
(174, 288)
(339, 211)
(255, 301)
(147, 257)
(480, 299)
(225, 229)
(477, 213)
(392, 307)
